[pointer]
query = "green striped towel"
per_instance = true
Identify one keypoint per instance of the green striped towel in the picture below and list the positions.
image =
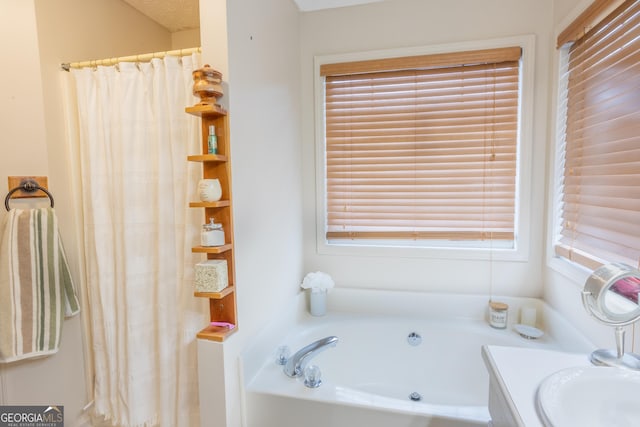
(36, 290)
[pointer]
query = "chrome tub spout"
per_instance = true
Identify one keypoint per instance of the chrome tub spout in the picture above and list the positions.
(296, 363)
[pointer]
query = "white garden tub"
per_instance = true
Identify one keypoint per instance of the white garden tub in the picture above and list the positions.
(369, 376)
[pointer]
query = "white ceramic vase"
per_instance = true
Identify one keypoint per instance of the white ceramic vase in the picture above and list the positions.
(209, 190)
(318, 302)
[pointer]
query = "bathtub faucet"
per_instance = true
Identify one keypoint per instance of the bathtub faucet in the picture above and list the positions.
(296, 363)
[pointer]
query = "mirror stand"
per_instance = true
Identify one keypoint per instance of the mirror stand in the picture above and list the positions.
(612, 295)
(616, 358)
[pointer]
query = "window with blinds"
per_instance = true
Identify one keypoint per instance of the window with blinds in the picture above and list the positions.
(423, 148)
(600, 189)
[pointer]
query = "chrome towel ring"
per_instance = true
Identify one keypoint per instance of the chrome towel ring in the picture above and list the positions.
(28, 186)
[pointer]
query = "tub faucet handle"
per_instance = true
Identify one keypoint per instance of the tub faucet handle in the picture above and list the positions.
(312, 376)
(282, 354)
(296, 363)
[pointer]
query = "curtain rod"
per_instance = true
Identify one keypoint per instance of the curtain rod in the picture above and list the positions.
(145, 57)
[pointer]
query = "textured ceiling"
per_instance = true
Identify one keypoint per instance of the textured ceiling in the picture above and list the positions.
(174, 15)
(178, 15)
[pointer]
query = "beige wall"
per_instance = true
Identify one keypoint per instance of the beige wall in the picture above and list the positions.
(185, 39)
(564, 9)
(24, 149)
(57, 379)
(24, 152)
(36, 36)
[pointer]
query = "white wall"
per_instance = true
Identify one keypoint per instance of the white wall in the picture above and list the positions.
(36, 36)
(411, 23)
(263, 97)
(266, 149)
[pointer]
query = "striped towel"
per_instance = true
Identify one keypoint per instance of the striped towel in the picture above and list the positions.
(36, 290)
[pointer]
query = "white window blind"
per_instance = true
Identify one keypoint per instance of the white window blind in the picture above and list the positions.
(600, 211)
(423, 147)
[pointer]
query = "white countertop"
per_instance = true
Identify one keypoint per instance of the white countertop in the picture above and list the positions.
(518, 372)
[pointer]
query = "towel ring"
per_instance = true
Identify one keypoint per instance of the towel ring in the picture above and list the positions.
(28, 186)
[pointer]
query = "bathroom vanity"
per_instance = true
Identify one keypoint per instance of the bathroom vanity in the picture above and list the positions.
(534, 387)
(514, 376)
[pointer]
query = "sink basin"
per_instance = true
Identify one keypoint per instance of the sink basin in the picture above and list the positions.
(590, 396)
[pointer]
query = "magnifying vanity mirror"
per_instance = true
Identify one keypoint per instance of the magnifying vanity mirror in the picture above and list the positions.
(610, 295)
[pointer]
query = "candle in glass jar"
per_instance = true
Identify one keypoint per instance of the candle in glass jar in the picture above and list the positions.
(498, 312)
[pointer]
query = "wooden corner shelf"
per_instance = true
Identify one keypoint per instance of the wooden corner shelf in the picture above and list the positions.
(203, 109)
(208, 158)
(216, 333)
(211, 249)
(218, 204)
(222, 305)
(215, 295)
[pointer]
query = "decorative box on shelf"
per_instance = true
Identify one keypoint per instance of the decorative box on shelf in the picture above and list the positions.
(211, 275)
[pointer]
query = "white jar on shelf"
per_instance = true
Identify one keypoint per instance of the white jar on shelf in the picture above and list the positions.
(212, 234)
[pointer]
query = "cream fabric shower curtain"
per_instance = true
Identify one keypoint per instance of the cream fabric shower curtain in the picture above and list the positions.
(132, 138)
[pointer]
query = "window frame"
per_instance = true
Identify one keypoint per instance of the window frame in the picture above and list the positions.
(446, 250)
(569, 269)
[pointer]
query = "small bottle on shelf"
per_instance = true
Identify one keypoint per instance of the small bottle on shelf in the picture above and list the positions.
(212, 141)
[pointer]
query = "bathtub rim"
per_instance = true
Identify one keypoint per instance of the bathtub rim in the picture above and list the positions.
(378, 302)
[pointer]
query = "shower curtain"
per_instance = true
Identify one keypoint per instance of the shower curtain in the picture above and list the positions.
(133, 138)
